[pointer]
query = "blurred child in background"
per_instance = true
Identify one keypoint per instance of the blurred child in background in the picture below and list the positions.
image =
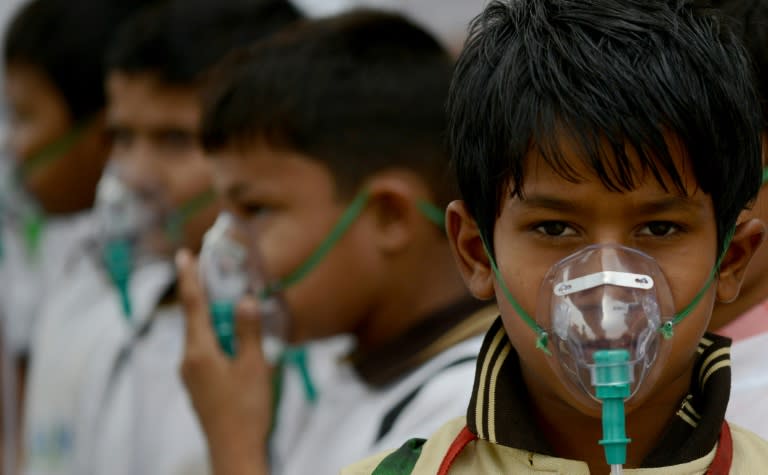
(53, 72)
(327, 146)
(135, 416)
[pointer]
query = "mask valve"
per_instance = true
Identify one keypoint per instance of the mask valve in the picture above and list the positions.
(611, 377)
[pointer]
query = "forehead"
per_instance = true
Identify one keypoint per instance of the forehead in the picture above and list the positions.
(576, 188)
(618, 167)
(28, 82)
(255, 164)
(144, 99)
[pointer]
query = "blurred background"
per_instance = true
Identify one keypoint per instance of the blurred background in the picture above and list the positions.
(447, 19)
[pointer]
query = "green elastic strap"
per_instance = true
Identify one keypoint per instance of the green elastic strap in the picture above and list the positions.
(33, 225)
(347, 218)
(668, 328)
(432, 213)
(186, 211)
(542, 337)
(765, 175)
(53, 151)
(353, 211)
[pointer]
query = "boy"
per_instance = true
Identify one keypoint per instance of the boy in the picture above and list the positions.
(359, 144)
(744, 320)
(126, 411)
(56, 136)
(53, 68)
(604, 150)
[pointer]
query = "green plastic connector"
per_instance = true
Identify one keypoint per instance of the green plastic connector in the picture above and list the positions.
(118, 259)
(223, 319)
(298, 358)
(611, 380)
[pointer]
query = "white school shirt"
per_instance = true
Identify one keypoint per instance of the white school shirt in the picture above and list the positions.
(80, 323)
(748, 406)
(346, 422)
(28, 280)
(137, 416)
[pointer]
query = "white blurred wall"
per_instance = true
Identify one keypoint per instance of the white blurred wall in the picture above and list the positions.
(448, 19)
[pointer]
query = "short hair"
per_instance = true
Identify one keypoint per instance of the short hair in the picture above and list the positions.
(626, 71)
(181, 40)
(66, 41)
(360, 93)
(750, 23)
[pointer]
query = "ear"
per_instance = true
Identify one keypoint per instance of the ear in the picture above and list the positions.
(468, 250)
(746, 240)
(396, 216)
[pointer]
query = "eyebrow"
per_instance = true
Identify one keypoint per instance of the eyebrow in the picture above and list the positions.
(236, 191)
(666, 204)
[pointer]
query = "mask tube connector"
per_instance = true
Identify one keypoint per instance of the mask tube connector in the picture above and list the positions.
(223, 320)
(118, 259)
(611, 377)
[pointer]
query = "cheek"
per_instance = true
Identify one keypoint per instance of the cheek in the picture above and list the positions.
(187, 178)
(282, 244)
(327, 299)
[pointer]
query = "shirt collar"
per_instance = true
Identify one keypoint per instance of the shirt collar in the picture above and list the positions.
(499, 408)
(439, 331)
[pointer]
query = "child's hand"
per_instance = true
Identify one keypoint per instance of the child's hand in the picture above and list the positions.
(232, 396)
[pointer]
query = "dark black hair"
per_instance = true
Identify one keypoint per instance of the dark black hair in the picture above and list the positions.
(750, 22)
(627, 71)
(181, 40)
(66, 40)
(360, 93)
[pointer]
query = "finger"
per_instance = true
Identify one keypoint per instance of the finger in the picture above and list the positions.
(194, 303)
(248, 330)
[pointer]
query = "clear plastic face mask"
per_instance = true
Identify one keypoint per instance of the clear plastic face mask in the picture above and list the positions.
(20, 210)
(231, 267)
(123, 221)
(604, 317)
(605, 298)
(136, 227)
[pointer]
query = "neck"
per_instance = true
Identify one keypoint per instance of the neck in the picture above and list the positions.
(419, 292)
(575, 435)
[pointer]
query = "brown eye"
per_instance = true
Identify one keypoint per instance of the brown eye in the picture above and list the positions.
(554, 229)
(660, 228)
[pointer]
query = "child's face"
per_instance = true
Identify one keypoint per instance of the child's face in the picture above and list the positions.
(40, 117)
(557, 218)
(155, 133)
(291, 202)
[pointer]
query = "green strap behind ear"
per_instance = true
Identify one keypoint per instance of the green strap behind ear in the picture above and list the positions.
(432, 213)
(542, 337)
(53, 151)
(668, 328)
(765, 175)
